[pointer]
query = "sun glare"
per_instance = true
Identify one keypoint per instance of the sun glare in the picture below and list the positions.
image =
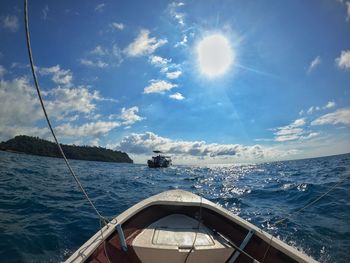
(215, 55)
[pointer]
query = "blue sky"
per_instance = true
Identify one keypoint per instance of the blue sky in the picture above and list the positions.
(205, 81)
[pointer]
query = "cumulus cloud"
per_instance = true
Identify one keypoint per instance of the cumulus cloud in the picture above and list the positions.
(165, 65)
(343, 61)
(92, 129)
(119, 26)
(94, 142)
(21, 112)
(290, 132)
(91, 63)
(100, 7)
(314, 63)
(183, 42)
(19, 108)
(329, 105)
(159, 61)
(59, 76)
(117, 55)
(143, 44)
(147, 142)
(177, 96)
(10, 22)
(340, 116)
(2, 71)
(313, 109)
(102, 57)
(175, 14)
(159, 86)
(62, 103)
(99, 51)
(174, 74)
(129, 116)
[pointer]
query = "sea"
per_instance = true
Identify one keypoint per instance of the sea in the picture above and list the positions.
(45, 218)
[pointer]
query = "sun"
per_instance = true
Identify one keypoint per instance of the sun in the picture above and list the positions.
(215, 55)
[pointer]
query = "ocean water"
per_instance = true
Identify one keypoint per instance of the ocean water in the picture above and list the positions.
(44, 217)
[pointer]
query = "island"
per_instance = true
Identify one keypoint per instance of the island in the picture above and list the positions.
(36, 146)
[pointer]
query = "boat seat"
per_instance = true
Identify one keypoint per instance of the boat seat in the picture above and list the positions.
(170, 239)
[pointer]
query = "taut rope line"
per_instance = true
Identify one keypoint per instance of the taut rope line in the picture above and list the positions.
(103, 219)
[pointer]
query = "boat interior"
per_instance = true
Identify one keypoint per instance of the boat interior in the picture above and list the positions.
(173, 234)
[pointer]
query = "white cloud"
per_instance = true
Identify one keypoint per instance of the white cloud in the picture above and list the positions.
(309, 136)
(159, 86)
(95, 142)
(10, 22)
(19, 108)
(119, 26)
(100, 7)
(177, 96)
(91, 63)
(175, 14)
(21, 111)
(165, 65)
(329, 105)
(99, 51)
(19, 65)
(59, 76)
(62, 103)
(143, 44)
(298, 122)
(174, 74)
(340, 116)
(183, 42)
(2, 71)
(290, 132)
(140, 147)
(45, 12)
(102, 57)
(147, 142)
(313, 109)
(117, 53)
(348, 11)
(92, 129)
(314, 63)
(343, 61)
(129, 116)
(159, 61)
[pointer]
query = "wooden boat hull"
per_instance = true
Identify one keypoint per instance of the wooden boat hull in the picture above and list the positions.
(219, 232)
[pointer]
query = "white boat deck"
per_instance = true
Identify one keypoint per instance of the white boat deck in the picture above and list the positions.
(170, 240)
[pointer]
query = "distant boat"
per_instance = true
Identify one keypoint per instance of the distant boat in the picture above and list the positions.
(159, 161)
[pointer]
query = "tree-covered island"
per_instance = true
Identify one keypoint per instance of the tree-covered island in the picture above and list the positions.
(37, 146)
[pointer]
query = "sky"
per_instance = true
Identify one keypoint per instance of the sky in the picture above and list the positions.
(203, 81)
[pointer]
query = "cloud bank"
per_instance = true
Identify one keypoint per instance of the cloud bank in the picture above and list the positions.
(145, 143)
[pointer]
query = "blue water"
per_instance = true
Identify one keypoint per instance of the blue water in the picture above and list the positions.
(44, 218)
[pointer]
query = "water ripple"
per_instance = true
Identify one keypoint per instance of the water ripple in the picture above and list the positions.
(44, 217)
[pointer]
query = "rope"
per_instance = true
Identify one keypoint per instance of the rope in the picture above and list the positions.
(103, 219)
(302, 209)
(198, 226)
